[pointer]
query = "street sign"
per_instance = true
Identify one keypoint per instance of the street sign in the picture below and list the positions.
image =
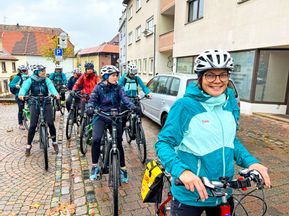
(58, 58)
(62, 40)
(58, 52)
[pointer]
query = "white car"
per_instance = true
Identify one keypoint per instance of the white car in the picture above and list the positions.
(166, 89)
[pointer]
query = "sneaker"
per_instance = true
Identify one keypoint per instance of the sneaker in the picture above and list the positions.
(28, 151)
(55, 146)
(95, 170)
(123, 176)
(21, 127)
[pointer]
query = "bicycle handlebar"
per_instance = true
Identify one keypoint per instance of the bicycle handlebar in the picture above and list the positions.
(37, 97)
(112, 115)
(218, 188)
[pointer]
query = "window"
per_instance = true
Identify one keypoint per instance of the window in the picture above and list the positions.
(272, 76)
(242, 75)
(138, 5)
(161, 88)
(150, 25)
(4, 67)
(175, 87)
(13, 66)
(151, 65)
(129, 38)
(152, 84)
(129, 12)
(139, 66)
(185, 65)
(144, 66)
(5, 82)
(138, 33)
(196, 9)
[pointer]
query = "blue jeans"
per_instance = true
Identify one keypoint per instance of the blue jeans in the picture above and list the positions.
(20, 110)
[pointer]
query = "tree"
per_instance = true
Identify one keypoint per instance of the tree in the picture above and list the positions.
(47, 50)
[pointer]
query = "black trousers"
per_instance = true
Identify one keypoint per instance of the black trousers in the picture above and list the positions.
(98, 129)
(34, 115)
(20, 110)
(179, 209)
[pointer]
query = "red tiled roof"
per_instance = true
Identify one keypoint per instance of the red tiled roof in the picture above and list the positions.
(27, 40)
(4, 55)
(104, 48)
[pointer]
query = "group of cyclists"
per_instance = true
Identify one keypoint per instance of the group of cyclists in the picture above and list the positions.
(198, 138)
(104, 93)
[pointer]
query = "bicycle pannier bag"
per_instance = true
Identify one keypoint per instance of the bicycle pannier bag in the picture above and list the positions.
(152, 183)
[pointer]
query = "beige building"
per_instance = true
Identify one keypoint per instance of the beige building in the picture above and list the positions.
(256, 34)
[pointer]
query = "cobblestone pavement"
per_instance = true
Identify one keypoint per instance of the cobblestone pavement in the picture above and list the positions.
(27, 189)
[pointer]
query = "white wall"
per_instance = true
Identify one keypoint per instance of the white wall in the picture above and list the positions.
(249, 108)
(232, 26)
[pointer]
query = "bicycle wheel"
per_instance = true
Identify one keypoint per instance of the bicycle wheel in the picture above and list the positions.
(83, 137)
(127, 135)
(44, 145)
(54, 109)
(26, 121)
(69, 124)
(115, 183)
(141, 143)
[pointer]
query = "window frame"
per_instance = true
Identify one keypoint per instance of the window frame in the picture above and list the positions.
(138, 5)
(138, 33)
(3, 65)
(191, 17)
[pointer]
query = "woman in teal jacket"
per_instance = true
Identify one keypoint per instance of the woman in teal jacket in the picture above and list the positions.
(38, 84)
(199, 137)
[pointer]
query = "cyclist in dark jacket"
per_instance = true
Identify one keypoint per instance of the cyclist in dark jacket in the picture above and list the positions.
(39, 84)
(16, 84)
(72, 80)
(105, 96)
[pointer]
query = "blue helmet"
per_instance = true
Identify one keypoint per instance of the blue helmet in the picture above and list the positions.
(89, 65)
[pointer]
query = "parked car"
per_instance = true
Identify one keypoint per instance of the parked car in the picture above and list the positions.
(166, 89)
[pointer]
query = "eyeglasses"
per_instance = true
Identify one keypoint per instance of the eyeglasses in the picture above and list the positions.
(210, 77)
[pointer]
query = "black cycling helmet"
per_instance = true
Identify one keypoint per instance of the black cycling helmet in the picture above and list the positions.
(89, 65)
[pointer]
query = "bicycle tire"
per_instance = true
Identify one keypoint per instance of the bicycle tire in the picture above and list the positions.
(83, 138)
(54, 109)
(44, 144)
(141, 143)
(115, 183)
(62, 109)
(69, 124)
(26, 121)
(127, 135)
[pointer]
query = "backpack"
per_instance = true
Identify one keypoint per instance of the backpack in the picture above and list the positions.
(125, 80)
(15, 90)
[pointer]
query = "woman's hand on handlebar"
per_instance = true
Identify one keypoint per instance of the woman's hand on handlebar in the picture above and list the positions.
(192, 182)
(263, 171)
(21, 97)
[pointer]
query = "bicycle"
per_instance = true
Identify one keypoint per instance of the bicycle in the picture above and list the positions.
(57, 106)
(109, 156)
(134, 131)
(43, 127)
(73, 115)
(220, 189)
(26, 116)
(85, 137)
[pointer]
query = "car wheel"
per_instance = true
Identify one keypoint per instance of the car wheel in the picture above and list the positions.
(163, 119)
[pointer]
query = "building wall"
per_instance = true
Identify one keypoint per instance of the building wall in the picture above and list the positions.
(143, 49)
(4, 76)
(84, 59)
(232, 26)
(123, 42)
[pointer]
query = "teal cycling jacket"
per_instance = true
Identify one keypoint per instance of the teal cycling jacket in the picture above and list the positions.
(131, 85)
(200, 135)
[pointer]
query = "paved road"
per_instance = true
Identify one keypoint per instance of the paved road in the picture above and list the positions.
(27, 189)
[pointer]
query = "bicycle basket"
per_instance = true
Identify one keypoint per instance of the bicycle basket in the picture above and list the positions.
(152, 183)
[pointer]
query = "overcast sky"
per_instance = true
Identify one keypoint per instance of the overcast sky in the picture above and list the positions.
(87, 22)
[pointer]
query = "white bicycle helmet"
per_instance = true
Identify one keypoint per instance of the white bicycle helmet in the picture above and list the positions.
(213, 59)
(132, 69)
(107, 70)
(58, 67)
(22, 68)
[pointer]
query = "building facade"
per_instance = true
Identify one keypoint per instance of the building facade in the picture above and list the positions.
(255, 33)
(122, 42)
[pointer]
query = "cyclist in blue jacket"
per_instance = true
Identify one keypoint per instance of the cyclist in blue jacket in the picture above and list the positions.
(105, 96)
(199, 137)
(15, 86)
(38, 84)
(59, 80)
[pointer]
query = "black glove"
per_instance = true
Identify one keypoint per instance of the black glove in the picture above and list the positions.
(72, 93)
(90, 111)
